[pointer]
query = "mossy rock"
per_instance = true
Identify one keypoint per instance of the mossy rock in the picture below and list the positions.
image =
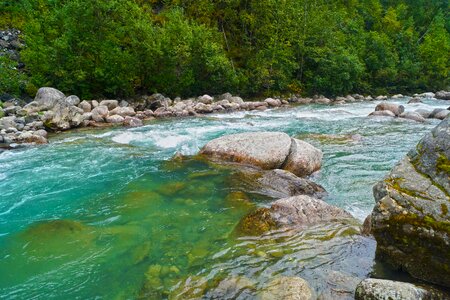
(256, 223)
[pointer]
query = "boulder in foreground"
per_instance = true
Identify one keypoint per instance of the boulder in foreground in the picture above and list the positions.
(411, 219)
(378, 289)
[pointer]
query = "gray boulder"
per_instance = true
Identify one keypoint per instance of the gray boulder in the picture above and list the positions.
(415, 100)
(382, 113)
(205, 99)
(110, 104)
(443, 95)
(8, 122)
(132, 122)
(439, 114)
(123, 111)
(395, 108)
(412, 116)
(267, 150)
(273, 102)
(72, 100)
(423, 112)
(63, 116)
(100, 113)
(46, 98)
(114, 119)
(378, 289)
(411, 220)
(85, 106)
(304, 159)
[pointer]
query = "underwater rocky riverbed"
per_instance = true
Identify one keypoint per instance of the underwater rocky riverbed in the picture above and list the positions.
(108, 214)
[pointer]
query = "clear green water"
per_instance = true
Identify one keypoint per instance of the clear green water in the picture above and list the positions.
(106, 214)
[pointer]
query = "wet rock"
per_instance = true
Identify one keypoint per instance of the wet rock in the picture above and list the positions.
(443, 95)
(275, 183)
(232, 288)
(257, 222)
(412, 116)
(267, 150)
(378, 289)
(424, 113)
(411, 217)
(132, 122)
(305, 211)
(110, 104)
(381, 97)
(115, 119)
(85, 106)
(395, 108)
(415, 100)
(439, 114)
(287, 288)
(304, 159)
(100, 113)
(47, 97)
(382, 113)
(322, 100)
(426, 95)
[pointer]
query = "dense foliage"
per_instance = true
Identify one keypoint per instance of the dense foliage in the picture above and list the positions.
(253, 47)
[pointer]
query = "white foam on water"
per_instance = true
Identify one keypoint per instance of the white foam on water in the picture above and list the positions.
(128, 137)
(171, 141)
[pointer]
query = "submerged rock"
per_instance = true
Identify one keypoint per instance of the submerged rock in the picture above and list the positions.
(275, 183)
(411, 220)
(412, 116)
(305, 211)
(294, 212)
(378, 289)
(382, 113)
(287, 288)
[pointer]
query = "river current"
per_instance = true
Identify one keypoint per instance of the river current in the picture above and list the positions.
(106, 214)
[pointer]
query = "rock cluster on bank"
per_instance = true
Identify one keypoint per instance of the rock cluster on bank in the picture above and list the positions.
(387, 109)
(411, 218)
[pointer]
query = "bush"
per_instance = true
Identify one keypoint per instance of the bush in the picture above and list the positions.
(12, 81)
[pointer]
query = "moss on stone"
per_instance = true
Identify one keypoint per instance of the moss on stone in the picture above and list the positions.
(444, 209)
(257, 222)
(443, 164)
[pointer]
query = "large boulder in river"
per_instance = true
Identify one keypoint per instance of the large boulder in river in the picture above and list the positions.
(411, 219)
(267, 150)
(395, 108)
(304, 159)
(378, 289)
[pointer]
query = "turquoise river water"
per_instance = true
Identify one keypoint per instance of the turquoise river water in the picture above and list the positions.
(106, 214)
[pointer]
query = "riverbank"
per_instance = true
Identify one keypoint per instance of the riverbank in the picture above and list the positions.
(52, 111)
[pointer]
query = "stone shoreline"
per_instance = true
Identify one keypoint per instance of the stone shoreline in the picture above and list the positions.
(52, 111)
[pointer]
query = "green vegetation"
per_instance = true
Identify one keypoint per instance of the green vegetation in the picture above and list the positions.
(253, 47)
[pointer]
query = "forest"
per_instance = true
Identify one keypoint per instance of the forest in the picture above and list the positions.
(122, 48)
